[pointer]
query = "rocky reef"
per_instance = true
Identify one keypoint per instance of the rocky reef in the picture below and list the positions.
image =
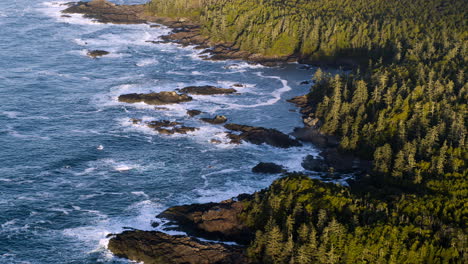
(268, 167)
(152, 247)
(97, 53)
(217, 120)
(160, 98)
(261, 135)
(107, 12)
(207, 90)
(185, 31)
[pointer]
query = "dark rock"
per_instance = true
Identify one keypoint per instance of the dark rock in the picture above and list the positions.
(160, 98)
(193, 113)
(335, 161)
(135, 120)
(216, 141)
(305, 67)
(238, 85)
(161, 108)
(107, 12)
(184, 129)
(217, 221)
(314, 136)
(152, 247)
(97, 53)
(260, 135)
(207, 90)
(305, 82)
(217, 120)
(314, 164)
(65, 16)
(268, 167)
(164, 123)
(155, 26)
(299, 101)
(169, 128)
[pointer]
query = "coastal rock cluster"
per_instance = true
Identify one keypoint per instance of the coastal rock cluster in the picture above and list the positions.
(215, 221)
(153, 247)
(261, 135)
(237, 133)
(184, 32)
(160, 98)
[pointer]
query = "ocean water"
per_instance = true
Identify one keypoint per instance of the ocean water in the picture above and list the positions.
(61, 193)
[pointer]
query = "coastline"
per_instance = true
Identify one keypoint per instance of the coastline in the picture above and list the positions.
(199, 220)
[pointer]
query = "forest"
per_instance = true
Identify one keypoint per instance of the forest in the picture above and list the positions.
(403, 106)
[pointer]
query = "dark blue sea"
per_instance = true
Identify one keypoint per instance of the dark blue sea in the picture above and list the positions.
(74, 168)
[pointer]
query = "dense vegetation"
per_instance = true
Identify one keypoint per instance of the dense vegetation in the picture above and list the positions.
(309, 221)
(403, 106)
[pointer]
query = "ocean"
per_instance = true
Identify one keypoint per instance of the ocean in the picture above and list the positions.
(74, 168)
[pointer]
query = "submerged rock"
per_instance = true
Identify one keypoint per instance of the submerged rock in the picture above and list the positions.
(169, 128)
(193, 113)
(207, 90)
(152, 247)
(261, 135)
(215, 141)
(217, 221)
(217, 120)
(268, 167)
(97, 53)
(160, 98)
(314, 164)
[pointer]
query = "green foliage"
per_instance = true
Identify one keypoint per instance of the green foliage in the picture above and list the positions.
(404, 107)
(314, 222)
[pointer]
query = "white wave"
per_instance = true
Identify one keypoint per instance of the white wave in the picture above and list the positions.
(10, 114)
(60, 210)
(140, 194)
(16, 134)
(19, 115)
(80, 42)
(141, 214)
(87, 171)
(146, 62)
(13, 226)
(275, 94)
(230, 190)
(53, 9)
(242, 65)
(122, 168)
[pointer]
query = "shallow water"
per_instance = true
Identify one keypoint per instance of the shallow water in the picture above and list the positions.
(59, 194)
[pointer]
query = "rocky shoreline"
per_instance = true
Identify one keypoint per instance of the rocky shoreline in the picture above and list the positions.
(214, 221)
(184, 32)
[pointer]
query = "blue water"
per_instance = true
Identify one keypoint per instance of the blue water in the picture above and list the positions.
(59, 194)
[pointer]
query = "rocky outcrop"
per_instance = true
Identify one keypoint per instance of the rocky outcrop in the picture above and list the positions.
(152, 247)
(217, 120)
(261, 135)
(268, 167)
(160, 98)
(217, 221)
(170, 128)
(166, 127)
(107, 12)
(193, 113)
(312, 163)
(185, 32)
(97, 53)
(207, 90)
